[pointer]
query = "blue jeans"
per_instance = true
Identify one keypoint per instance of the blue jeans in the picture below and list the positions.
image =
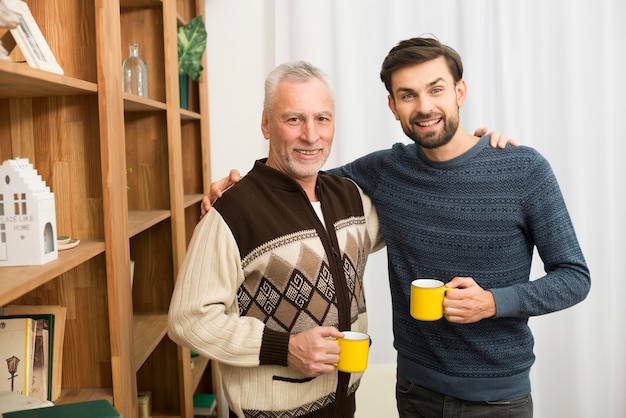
(418, 402)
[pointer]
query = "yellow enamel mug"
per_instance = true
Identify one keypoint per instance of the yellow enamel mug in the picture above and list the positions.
(355, 347)
(427, 299)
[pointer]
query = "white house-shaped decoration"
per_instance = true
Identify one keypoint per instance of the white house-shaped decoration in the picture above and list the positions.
(27, 216)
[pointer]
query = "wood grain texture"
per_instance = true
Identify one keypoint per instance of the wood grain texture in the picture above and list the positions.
(81, 132)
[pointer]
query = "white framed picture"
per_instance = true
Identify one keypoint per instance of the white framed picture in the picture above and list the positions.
(31, 42)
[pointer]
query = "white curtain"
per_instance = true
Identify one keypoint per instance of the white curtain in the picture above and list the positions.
(543, 72)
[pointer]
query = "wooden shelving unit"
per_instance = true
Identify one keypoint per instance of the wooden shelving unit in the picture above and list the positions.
(81, 132)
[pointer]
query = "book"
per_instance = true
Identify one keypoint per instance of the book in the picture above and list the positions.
(17, 343)
(204, 404)
(55, 315)
(89, 409)
(40, 367)
(11, 401)
(42, 344)
(42, 373)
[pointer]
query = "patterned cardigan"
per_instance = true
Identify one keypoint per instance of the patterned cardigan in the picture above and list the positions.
(261, 266)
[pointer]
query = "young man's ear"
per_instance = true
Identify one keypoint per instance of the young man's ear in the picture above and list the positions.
(461, 92)
(392, 105)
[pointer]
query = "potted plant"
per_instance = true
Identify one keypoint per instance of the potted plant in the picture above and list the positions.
(191, 46)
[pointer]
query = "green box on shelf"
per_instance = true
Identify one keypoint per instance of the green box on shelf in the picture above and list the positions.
(204, 404)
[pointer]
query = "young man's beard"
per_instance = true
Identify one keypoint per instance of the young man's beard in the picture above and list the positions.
(432, 139)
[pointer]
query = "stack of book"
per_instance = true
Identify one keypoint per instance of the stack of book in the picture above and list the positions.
(31, 342)
(204, 405)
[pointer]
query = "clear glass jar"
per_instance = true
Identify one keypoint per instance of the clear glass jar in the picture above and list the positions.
(135, 73)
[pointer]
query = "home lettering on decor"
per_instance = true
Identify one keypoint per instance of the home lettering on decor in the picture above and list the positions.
(27, 216)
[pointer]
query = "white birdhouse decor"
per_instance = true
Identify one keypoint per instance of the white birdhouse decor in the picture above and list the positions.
(27, 216)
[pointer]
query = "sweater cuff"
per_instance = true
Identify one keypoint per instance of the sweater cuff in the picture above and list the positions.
(274, 348)
(507, 302)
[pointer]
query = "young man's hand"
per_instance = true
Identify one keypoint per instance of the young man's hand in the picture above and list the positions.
(216, 190)
(496, 139)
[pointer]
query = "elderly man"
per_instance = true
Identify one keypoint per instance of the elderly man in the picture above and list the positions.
(275, 270)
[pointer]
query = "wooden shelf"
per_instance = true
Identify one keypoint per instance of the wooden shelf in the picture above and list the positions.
(149, 330)
(21, 80)
(140, 220)
(140, 3)
(16, 281)
(82, 133)
(189, 115)
(134, 103)
(84, 395)
(193, 199)
(199, 366)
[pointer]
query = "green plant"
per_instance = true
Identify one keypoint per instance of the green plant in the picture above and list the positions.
(191, 46)
(128, 171)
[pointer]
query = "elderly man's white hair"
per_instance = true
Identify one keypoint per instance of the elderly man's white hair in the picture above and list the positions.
(300, 71)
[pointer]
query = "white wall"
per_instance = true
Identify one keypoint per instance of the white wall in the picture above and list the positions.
(237, 63)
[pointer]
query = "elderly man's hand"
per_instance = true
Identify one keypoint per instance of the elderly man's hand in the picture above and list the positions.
(312, 353)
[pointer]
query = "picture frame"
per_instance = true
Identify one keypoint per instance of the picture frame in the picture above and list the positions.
(33, 45)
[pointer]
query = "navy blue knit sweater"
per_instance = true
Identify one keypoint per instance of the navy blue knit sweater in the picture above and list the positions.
(478, 215)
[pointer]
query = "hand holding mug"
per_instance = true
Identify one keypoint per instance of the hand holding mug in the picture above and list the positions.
(468, 302)
(314, 352)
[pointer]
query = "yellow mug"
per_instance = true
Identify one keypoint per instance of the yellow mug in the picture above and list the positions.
(354, 348)
(427, 299)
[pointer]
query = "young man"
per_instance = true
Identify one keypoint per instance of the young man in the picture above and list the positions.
(453, 208)
(276, 269)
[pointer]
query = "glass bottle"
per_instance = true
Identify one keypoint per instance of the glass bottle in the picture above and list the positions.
(135, 73)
